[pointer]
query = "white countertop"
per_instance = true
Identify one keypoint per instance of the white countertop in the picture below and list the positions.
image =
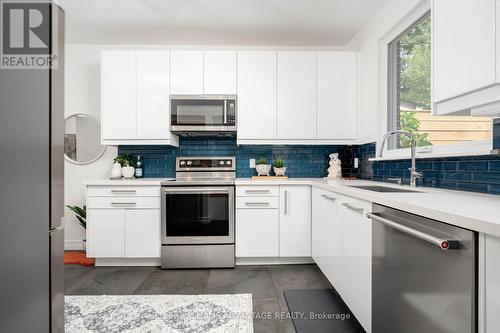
(126, 182)
(475, 211)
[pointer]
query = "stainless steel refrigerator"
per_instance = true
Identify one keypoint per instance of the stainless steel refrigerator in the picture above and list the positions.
(31, 195)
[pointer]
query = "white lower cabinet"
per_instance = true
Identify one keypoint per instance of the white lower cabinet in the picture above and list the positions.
(295, 221)
(273, 221)
(123, 233)
(326, 237)
(489, 259)
(355, 267)
(342, 248)
(257, 232)
(123, 222)
(105, 233)
(142, 233)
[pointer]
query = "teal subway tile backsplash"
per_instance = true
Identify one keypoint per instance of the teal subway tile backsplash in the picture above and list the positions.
(301, 161)
(465, 173)
(469, 173)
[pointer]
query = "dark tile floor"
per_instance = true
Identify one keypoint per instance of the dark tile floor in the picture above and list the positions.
(265, 283)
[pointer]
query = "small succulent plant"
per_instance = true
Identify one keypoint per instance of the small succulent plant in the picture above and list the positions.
(261, 161)
(279, 163)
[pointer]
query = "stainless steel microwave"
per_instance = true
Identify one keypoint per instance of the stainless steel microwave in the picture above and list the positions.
(203, 114)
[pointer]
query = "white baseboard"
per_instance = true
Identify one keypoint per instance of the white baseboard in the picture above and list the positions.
(274, 260)
(73, 245)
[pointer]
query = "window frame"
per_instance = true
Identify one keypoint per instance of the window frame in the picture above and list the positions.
(387, 93)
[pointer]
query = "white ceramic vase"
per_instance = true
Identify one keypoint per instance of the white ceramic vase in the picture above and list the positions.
(116, 170)
(128, 172)
(280, 171)
(263, 169)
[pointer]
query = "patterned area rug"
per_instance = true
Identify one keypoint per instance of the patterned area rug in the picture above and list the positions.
(159, 313)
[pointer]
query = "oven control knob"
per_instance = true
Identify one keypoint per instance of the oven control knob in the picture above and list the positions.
(228, 162)
(183, 163)
(221, 162)
(189, 163)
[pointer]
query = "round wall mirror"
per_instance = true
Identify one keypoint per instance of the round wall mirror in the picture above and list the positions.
(82, 139)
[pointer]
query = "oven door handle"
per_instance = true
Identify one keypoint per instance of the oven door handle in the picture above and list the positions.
(206, 190)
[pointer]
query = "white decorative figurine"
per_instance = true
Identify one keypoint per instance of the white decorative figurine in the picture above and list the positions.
(335, 169)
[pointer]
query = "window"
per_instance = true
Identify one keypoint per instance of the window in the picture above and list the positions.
(409, 96)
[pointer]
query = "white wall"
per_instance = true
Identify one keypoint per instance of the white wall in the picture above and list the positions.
(369, 41)
(82, 95)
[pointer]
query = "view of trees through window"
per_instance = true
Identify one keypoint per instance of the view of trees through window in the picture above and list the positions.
(413, 104)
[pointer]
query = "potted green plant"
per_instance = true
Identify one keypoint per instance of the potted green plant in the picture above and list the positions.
(279, 167)
(262, 167)
(127, 162)
(81, 215)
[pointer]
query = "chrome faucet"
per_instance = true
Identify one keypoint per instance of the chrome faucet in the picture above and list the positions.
(414, 175)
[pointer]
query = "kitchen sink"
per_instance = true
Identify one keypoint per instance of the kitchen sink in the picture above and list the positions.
(384, 189)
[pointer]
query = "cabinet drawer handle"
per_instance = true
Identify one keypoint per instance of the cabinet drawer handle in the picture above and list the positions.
(257, 203)
(351, 207)
(329, 197)
(123, 203)
(256, 191)
(123, 191)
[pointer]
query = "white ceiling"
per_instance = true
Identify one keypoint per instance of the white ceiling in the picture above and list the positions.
(216, 22)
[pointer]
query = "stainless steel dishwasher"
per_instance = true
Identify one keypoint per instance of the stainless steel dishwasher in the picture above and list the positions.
(423, 275)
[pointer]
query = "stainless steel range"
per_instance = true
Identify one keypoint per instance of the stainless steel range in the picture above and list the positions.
(198, 214)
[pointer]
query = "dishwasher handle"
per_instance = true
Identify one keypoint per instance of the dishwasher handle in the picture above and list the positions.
(443, 244)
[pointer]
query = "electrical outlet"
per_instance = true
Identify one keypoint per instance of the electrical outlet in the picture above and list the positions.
(252, 163)
(356, 163)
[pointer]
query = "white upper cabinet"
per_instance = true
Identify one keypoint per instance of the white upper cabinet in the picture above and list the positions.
(256, 95)
(119, 97)
(153, 105)
(186, 74)
(295, 221)
(465, 55)
(289, 97)
(135, 107)
(219, 72)
(297, 95)
(337, 95)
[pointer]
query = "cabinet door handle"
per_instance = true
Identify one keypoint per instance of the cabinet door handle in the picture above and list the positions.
(257, 203)
(256, 191)
(123, 204)
(351, 207)
(123, 191)
(329, 197)
(286, 202)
